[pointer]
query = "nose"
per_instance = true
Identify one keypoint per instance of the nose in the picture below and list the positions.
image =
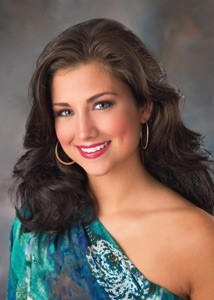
(86, 127)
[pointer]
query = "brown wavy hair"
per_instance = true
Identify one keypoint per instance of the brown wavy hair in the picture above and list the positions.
(49, 196)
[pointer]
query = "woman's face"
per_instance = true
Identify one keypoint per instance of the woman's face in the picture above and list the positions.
(97, 121)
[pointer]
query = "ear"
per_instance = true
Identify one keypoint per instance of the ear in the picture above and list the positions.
(146, 112)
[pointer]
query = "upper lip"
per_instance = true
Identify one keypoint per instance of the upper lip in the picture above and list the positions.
(92, 145)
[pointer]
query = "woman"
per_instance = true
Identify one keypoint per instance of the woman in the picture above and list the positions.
(114, 196)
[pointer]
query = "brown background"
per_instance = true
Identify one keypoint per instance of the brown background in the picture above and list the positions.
(179, 32)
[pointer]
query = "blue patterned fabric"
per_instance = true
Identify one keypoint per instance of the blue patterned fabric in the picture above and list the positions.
(82, 263)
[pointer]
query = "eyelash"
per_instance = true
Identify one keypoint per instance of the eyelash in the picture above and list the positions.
(64, 113)
(106, 105)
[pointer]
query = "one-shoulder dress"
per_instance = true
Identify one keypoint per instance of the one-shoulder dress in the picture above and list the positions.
(82, 263)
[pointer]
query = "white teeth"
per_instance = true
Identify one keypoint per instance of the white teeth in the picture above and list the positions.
(94, 149)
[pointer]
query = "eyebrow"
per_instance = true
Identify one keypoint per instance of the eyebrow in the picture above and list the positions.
(89, 100)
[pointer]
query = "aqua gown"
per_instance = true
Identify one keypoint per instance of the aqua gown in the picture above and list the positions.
(82, 263)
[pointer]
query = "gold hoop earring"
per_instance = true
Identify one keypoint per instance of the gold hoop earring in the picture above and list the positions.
(147, 137)
(60, 160)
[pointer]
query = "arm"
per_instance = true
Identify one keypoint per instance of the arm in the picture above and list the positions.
(202, 263)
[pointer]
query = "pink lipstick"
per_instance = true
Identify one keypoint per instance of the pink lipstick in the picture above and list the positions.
(93, 151)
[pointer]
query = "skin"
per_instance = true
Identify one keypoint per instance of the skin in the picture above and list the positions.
(165, 232)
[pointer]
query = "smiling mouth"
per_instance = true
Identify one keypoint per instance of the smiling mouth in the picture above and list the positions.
(93, 151)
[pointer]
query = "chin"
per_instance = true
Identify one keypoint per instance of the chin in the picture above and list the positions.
(96, 170)
(96, 173)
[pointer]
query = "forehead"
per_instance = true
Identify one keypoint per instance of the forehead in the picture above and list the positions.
(81, 70)
(84, 80)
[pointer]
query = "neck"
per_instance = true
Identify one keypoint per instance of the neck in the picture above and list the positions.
(119, 190)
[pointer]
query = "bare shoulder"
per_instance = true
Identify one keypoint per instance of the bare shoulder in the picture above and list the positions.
(199, 257)
(190, 233)
(194, 249)
(193, 227)
(197, 227)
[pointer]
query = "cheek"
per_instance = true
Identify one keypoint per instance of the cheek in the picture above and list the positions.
(125, 124)
(64, 132)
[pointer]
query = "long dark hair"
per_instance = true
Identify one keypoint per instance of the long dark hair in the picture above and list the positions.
(49, 196)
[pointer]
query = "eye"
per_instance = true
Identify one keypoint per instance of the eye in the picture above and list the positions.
(64, 113)
(102, 105)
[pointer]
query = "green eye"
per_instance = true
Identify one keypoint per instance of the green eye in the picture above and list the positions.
(64, 113)
(102, 105)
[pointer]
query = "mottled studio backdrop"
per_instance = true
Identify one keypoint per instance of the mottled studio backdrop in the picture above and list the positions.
(179, 32)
